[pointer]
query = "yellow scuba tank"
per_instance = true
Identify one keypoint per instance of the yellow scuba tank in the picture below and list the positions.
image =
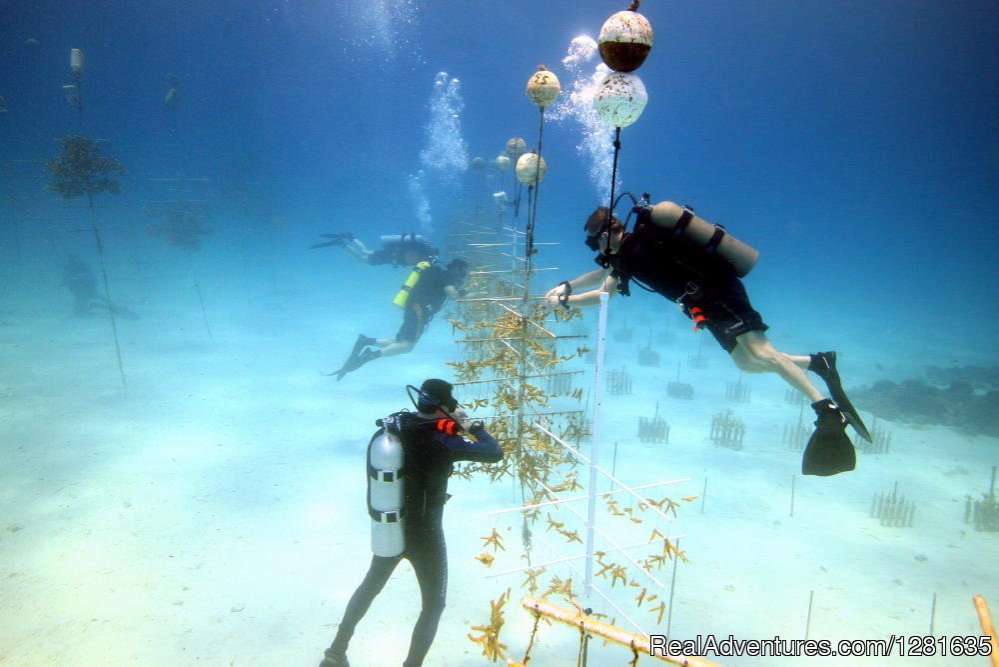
(402, 298)
(710, 238)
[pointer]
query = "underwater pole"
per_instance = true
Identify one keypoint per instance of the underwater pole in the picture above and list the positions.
(595, 440)
(201, 302)
(672, 589)
(107, 289)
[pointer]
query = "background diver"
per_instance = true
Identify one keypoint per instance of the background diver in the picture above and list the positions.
(432, 441)
(423, 294)
(80, 281)
(689, 261)
(395, 249)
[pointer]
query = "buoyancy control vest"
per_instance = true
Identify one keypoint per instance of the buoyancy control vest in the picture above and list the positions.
(402, 298)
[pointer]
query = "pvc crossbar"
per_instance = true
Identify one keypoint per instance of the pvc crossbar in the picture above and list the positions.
(527, 508)
(612, 478)
(607, 539)
(558, 561)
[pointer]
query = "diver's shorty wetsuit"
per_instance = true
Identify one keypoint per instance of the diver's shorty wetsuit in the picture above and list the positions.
(706, 287)
(425, 299)
(413, 324)
(727, 312)
(430, 455)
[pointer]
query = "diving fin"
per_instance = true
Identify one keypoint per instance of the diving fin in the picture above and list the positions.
(829, 450)
(335, 240)
(359, 356)
(823, 364)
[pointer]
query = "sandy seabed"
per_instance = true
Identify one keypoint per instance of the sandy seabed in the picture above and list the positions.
(213, 513)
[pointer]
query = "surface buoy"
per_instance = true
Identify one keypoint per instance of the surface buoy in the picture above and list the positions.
(531, 168)
(515, 147)
(625, 41)
(543, 87)
(620, 99)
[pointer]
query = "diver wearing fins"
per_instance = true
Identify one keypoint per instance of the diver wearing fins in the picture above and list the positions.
(699, 266)
(423, 294)
(80, 281)
(410, 459)
(395, 249)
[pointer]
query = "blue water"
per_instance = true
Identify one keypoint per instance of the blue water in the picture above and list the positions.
(856, 145)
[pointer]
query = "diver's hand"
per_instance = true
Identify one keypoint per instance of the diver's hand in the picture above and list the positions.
(462, 418)
(559, 295)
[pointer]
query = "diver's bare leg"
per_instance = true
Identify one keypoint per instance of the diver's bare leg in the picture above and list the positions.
(754, 353)
(357, 248)
(391, 348)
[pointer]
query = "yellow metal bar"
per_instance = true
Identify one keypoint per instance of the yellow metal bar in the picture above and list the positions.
(609, 632)
(986, 621)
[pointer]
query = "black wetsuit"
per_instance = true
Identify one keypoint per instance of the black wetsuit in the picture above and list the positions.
(705, 285)
(79, 279)
(430, 455)
(425, 299)
(394, 252)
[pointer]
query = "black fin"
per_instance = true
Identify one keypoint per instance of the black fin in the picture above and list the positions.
(829, 450)
(824, 365)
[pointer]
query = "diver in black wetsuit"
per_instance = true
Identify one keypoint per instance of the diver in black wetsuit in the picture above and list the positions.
(432, 441)
(421, 297)
(396, 249)
(79, 279)
(708, 289)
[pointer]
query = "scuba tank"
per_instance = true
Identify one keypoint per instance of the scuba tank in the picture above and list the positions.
(386, 239)
(402, 298)
(712, 239)
(385, 490)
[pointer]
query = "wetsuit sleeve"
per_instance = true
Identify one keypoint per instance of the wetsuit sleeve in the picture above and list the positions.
(486, 450)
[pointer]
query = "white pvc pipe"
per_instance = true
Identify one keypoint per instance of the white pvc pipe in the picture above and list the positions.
(595, 440)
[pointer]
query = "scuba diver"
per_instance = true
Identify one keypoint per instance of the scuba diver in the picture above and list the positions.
(422, 295)
(694, 263)
(396, 249)
(415, 451)
(79, 279)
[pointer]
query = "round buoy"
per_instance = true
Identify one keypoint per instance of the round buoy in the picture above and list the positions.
(625, 40)
(543, 87)
(531, 168)
(516, 147)
(478, 163)
(502, 163)
(620, 99)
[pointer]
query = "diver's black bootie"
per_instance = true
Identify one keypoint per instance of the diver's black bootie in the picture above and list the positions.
(334, 659)
(823, 364)
(829, 450)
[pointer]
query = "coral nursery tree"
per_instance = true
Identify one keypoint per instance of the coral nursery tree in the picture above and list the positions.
(81, 171)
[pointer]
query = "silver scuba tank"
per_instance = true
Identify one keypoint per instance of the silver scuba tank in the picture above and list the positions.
(385, 493)
(711, 238)
(401, 238)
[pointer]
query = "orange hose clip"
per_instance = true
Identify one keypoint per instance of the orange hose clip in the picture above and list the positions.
(448, 426)
(697, 314)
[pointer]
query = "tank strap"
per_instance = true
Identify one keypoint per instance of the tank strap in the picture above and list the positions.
(389, 476)
(395, 516)
(683, 221)
(716, 238)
